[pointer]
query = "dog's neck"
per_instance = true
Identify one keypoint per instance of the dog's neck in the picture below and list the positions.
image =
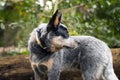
(38, 41)
(40, 44)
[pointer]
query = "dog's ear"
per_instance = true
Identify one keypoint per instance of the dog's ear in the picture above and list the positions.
(59, 17)
(54, 21)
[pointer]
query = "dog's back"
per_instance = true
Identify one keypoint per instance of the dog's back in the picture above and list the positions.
(92, 56)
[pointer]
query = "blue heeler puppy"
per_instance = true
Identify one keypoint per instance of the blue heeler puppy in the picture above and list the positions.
(52, 51)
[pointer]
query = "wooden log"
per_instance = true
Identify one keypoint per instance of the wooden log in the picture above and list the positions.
(19, 68)
(15, 68)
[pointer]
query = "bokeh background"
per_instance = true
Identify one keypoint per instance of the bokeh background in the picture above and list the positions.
(98, 18)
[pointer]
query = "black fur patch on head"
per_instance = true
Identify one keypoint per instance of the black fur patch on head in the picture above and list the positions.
(62, 31)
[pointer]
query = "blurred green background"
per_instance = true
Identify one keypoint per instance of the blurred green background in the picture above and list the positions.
(99, 18)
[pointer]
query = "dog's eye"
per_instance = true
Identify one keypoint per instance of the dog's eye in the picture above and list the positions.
(66, 31)
(62, 32)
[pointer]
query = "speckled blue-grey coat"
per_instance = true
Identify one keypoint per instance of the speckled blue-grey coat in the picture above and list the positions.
(92, 56)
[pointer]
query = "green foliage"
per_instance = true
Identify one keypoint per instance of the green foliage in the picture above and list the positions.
(99, 18)
(96, 18)
(14, 53)
(18, 20)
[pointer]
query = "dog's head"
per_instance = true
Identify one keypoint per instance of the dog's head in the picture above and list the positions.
(54, 35)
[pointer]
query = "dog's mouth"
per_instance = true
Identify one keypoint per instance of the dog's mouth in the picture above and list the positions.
(68, 47)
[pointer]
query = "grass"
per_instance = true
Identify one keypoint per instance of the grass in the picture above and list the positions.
(14, 53)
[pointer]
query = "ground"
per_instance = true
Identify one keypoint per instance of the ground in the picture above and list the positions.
(19, 68)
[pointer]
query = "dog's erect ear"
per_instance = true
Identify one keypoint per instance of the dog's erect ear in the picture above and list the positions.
(59, 17)
(57, 20)
(54, 21)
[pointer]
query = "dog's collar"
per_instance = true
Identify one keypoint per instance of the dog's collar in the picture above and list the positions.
(38, 41)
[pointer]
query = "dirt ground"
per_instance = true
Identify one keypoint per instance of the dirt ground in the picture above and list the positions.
(18, 68)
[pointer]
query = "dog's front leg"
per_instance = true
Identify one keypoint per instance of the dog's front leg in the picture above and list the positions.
(37, 75)
(54, 74)
(40, 71)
